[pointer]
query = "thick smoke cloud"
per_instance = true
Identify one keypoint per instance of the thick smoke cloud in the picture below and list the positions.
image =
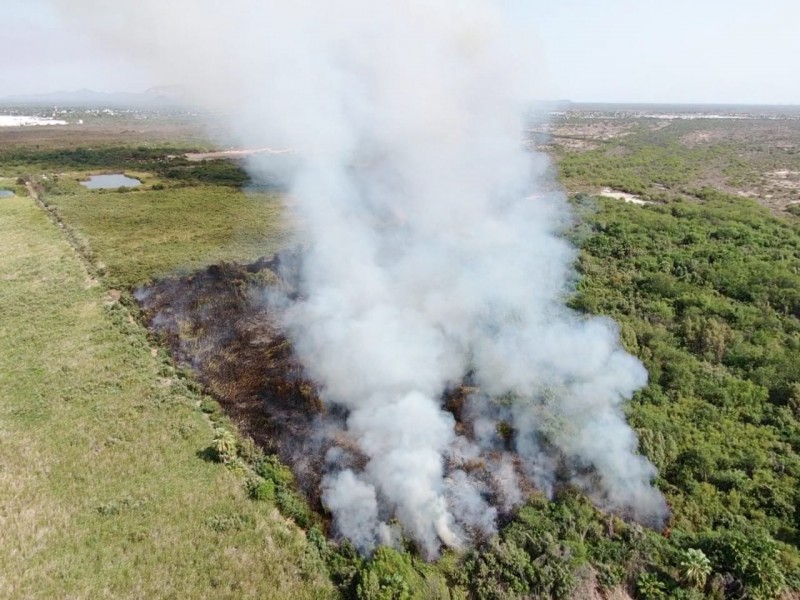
(434, 248)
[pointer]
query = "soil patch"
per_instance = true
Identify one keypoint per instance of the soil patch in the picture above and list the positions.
(624, 196)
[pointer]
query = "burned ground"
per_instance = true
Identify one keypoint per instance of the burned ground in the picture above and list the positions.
(215, 322)
(221, 323)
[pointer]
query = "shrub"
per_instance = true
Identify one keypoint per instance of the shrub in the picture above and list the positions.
(751, 556)
(231, 522)
(272, 469)
(262, 490)
(294, 507)
(207, 405)
(389, 575)
(509, 570)
(249, 451)
(650, 587)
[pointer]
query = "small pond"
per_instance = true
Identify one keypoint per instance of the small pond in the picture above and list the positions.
(6, 194)
(103, 182)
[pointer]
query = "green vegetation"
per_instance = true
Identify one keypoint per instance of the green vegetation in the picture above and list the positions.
(634, 165)
(167, 162)
(708, 296)
(104, 495)
(663, 163)
(137, 235)
(695, 568)
(98, 157)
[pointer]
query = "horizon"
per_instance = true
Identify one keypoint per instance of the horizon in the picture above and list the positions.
(42, 95)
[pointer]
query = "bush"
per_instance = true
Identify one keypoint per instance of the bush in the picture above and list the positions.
(695, 567)
(294, 507)
(272, 469)
(650, 587)
(230, 522)
(751, 556)
(508, 570)
(388, 575)
(262, 490)
(249, 452)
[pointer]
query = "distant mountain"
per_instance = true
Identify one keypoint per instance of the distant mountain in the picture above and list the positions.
(157, 97)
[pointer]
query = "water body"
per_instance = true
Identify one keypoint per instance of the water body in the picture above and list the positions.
(103, 182)
(6, 194)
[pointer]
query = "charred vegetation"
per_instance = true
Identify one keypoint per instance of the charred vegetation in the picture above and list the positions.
(220, 323)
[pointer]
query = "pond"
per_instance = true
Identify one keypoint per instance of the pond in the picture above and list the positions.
(104, 182)
(6, 194)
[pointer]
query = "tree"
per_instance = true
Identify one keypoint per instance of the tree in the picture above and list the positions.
(224, 445)
(695, 567)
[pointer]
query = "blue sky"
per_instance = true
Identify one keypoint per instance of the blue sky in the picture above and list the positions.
(729, 51)
(678, 50)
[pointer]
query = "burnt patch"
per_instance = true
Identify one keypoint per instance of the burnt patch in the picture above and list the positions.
(225, 324)
(216, 321)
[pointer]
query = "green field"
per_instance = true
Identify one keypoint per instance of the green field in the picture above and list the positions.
(103, 493)
(137, 235)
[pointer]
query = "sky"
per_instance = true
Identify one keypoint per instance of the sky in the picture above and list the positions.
(698, 51)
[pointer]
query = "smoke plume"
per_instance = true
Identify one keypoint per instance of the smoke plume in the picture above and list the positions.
(433, 249)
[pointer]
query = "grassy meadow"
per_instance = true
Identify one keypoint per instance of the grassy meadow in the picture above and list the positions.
(103, 493)
(136, 235)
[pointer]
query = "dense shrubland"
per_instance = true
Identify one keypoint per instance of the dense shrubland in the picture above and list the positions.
(706, 293)
(665, 162)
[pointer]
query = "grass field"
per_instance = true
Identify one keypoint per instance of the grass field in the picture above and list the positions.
(137, 235)
(102, 491)
(110, 131)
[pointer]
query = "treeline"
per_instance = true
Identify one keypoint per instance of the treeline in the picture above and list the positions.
(166, 162)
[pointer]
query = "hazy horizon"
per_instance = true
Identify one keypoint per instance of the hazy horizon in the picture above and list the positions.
(555, 101)
(735, 52)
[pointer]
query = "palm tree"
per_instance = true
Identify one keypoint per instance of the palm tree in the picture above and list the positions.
(224, 445)
(695, 567)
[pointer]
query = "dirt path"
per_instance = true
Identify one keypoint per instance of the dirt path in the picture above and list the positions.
(200, 156)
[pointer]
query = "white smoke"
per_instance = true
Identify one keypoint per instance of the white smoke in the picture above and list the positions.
(433, 241)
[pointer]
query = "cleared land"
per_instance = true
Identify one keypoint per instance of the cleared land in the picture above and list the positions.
(663, 157)
(103, 491)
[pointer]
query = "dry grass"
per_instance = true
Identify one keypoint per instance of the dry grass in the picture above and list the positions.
(183, 131)
(103, 493)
